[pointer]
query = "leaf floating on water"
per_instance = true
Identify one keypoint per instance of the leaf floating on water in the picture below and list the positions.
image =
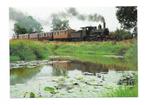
(32, 95)
(50, 89)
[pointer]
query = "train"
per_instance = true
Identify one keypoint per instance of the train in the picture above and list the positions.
(87, 33)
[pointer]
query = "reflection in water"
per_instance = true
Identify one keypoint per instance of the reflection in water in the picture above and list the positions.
(58, 68)
(63, 66)
(59, 72)
(22, 75)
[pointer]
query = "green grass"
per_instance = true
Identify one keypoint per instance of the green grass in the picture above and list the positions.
(123, 91)
(98, 48)
(95, 51)
(28, 50)
(131, 54)
(85, 51)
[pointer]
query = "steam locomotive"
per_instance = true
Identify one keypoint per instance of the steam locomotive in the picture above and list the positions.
(85, 34)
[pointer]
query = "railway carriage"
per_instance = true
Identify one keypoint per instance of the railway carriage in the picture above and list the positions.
(22, 36)
(86, 34)
(62, 34)
(33, 36)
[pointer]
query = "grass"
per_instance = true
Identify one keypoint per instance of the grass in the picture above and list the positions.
(86, 51)
(98, 48)
(123, 91)
(28, 50)
(95, 51)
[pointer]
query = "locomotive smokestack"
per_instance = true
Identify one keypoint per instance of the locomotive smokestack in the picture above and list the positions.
(104, 25)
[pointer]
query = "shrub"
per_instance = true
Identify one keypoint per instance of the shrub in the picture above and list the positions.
(14, 58)
(27, 50)
(121, 34)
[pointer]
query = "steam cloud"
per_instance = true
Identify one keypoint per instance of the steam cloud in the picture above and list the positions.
(72, 12)
(16, 15)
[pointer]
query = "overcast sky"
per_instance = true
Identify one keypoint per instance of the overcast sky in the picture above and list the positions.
(42, 14)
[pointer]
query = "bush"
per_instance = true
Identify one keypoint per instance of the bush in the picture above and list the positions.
(27, 50)
(14, 58)
(121, 34)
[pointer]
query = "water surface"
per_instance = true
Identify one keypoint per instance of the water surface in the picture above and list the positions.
(24, 80)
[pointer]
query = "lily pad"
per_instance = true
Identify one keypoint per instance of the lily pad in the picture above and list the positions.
(50, 90)
(32, 95)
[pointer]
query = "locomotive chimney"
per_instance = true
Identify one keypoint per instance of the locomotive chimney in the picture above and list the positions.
(104, 25)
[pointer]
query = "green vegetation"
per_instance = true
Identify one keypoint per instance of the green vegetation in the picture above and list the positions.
(99, 52)
(127, 17)
(50, 90)
(32, 95)
(123, 91)
(27, 25)
(28, 50)
(96, 52)
(59, 24)
(121, 34)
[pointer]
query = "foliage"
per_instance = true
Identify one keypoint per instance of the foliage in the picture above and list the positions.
(32, 95)
(124, 92)
(121, 34)
(86, 51)
(127, 16)
(14, 58)
(58, 24)
(95, 52)
(50, 90)
(27, 50)
(27, 25)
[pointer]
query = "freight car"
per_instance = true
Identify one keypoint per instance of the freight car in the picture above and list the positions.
(85, 34)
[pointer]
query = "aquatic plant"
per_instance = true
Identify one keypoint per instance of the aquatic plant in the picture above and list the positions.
(123, 92)
(32, 95)
(50, 90)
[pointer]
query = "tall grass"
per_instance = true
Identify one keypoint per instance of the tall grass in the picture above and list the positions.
(131, 54)
(123, 91)
(28, 50)
(86, 51)
(98, 48)
(95, 51)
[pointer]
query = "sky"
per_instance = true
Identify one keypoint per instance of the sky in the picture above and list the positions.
(42, 14)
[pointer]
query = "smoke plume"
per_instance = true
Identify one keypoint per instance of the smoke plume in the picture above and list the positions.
(72, 12)
(16, 15)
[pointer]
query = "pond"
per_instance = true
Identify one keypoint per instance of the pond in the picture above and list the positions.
(66, 78)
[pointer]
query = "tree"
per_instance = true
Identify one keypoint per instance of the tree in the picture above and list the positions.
(121, 34)
(127, 17)
(58, 24)
(27, 25)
